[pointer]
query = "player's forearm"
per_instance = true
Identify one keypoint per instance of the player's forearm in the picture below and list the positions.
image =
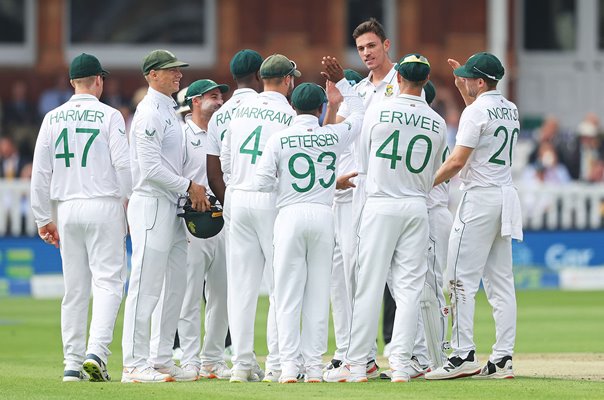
(448, 170)
(331, 113)
(154, 172)
(215, 177)
(152, 169)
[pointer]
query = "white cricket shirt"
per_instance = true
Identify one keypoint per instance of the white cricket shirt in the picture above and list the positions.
(81, 153)
(156, 150)
(304, 156)
(401, 147)
(387, 88)
(253, 122)
(195, 143)
(490, 125)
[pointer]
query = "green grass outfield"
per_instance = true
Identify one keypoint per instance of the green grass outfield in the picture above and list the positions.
(548, 322)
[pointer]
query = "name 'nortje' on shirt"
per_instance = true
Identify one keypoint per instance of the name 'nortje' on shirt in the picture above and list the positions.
(410, 119)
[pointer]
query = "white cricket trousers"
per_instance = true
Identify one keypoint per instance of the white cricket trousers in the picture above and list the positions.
(304, 242)
(342, 276)
(205, 261)
(93, 251)
(393, 234)
(250, 252)
(477, 250)
(159, 255)
(440, 221)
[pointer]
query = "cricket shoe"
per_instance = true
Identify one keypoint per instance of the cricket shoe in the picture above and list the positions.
(220, 370)
(145, 375)
(499, 370)
(414, 370)
(313, 375)
(291, 378)
(70, 375)
(332, 364)
(271, 376)
(372, 370)
(192, 368)
(456, 367)
(96, 369)
(344, 374)
(400, 376)
(179, 374)
(240, 376)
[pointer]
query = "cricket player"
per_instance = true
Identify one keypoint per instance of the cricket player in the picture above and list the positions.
(400, 149)
(244, 67)
(381, 84)
(205, 257)
(81, 162)
(430, 340)
(159, 243)
(487, 219)
(303, 159)
(253, 213)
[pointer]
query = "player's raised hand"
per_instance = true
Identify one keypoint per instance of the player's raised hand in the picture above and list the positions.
(333, 70)
(460, 82)
(334, 97)
(199, 199)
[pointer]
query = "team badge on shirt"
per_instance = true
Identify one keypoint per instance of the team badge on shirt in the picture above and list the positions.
(150, 133)
(196, 144)
(389, 90)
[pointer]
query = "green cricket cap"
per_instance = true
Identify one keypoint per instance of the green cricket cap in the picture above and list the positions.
(308, 96)
(161, 59)
(245, 62)
(277, 66)
(202, 86)
(481, 65)
(413, 67)
(86, 65)
(430, 92)
(352, 76)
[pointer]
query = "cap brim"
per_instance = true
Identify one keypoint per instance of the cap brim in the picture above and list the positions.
(223, 88)
(296, 73)
(173, 64)
(463, 72)
(104, 72)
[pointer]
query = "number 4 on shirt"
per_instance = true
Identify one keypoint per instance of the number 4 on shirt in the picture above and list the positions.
(66, 155)
(253, 151)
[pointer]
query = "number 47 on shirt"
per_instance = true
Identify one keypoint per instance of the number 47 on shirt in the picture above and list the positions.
(66, 155)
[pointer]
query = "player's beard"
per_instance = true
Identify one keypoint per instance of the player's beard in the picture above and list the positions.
(290, 90)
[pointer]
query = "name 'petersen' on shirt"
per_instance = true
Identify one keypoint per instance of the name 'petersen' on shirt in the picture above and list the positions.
(320, 140)
(403, 118)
